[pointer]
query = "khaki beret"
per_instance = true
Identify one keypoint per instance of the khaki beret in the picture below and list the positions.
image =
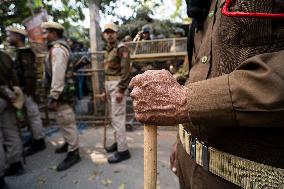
(17, 30)
(110, 26)
(52, 25)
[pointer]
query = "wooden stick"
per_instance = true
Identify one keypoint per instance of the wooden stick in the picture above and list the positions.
(150, 157)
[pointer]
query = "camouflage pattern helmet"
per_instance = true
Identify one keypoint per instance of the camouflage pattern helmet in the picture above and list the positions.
(146, 28)
(179, 30)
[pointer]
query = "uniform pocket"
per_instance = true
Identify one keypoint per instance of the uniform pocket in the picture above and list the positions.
(113, 65)
(239, 31)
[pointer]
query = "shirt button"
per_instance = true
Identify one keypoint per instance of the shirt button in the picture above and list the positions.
(211, 13)
(204, 59)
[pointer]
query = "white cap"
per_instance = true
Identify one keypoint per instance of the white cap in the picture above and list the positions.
(52, 25)
(110, 26)
(17, 30)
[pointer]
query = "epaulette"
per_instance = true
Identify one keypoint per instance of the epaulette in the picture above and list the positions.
(60, 43)
(57, 45)
(121, 45)
(23, 48)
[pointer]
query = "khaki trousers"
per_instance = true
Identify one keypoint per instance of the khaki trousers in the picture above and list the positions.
(9, 136)
(67, 123)
(193, 176)
(117, 115)
(34, 118)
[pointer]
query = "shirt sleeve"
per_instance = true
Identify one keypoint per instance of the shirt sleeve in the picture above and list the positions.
(252, 95)
(125, 69)
(59, 61)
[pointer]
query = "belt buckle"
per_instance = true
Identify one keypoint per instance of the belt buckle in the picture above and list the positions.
(205, 157)
(204, 153)
(193, 148)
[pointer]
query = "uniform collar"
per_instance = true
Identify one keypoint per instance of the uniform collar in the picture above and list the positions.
(109, 48)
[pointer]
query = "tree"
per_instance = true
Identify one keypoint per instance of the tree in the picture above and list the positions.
(71, 11)
(131, 26)
(15, 11)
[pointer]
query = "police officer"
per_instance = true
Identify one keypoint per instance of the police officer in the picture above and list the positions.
(59, 75)
(231, 108)
(146, 32)
(25, 67)
(117, 77)
(179, 32)
(9, 134)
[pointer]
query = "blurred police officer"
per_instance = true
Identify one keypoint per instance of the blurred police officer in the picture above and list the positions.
(59, 75)
(25, 67)
(9, 133)
(146, 32)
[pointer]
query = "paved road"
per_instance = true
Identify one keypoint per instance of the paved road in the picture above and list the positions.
(93, 172)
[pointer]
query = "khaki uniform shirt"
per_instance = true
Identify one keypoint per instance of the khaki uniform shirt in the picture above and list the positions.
(117, 63)
(236, 83)
(58, 60)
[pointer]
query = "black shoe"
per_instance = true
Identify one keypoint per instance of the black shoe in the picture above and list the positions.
(62, 149)
(119, 156)
(28, 143)
(71, 159)
(112, 148)
(129, 127)
(3, 184)
(37, 146)
(15, 169)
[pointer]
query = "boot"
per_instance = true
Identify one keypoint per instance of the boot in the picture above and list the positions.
(129, 127)
(28, 143)
(62, 149)
(112, 148)
(3, 184)
(119, 156)
(15, 169)
(71, 159)
(37, 146)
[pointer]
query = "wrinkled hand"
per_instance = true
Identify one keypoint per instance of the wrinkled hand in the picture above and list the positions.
(173, 158)
(119, 96)
(158, 99)
(52, 104)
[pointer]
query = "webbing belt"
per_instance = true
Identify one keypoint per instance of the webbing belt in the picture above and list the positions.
(241, 172)
(112, 78)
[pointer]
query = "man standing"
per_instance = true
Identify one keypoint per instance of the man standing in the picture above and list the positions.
(9, 133)
(117, 77)
(59, 75)
(26, 72)
(232, 106)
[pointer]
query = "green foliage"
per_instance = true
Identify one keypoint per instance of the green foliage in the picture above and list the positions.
(71, 12)
(16, 11)
(134, 24)
(178, 6)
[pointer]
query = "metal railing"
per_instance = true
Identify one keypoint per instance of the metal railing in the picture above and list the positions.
(158, 50)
